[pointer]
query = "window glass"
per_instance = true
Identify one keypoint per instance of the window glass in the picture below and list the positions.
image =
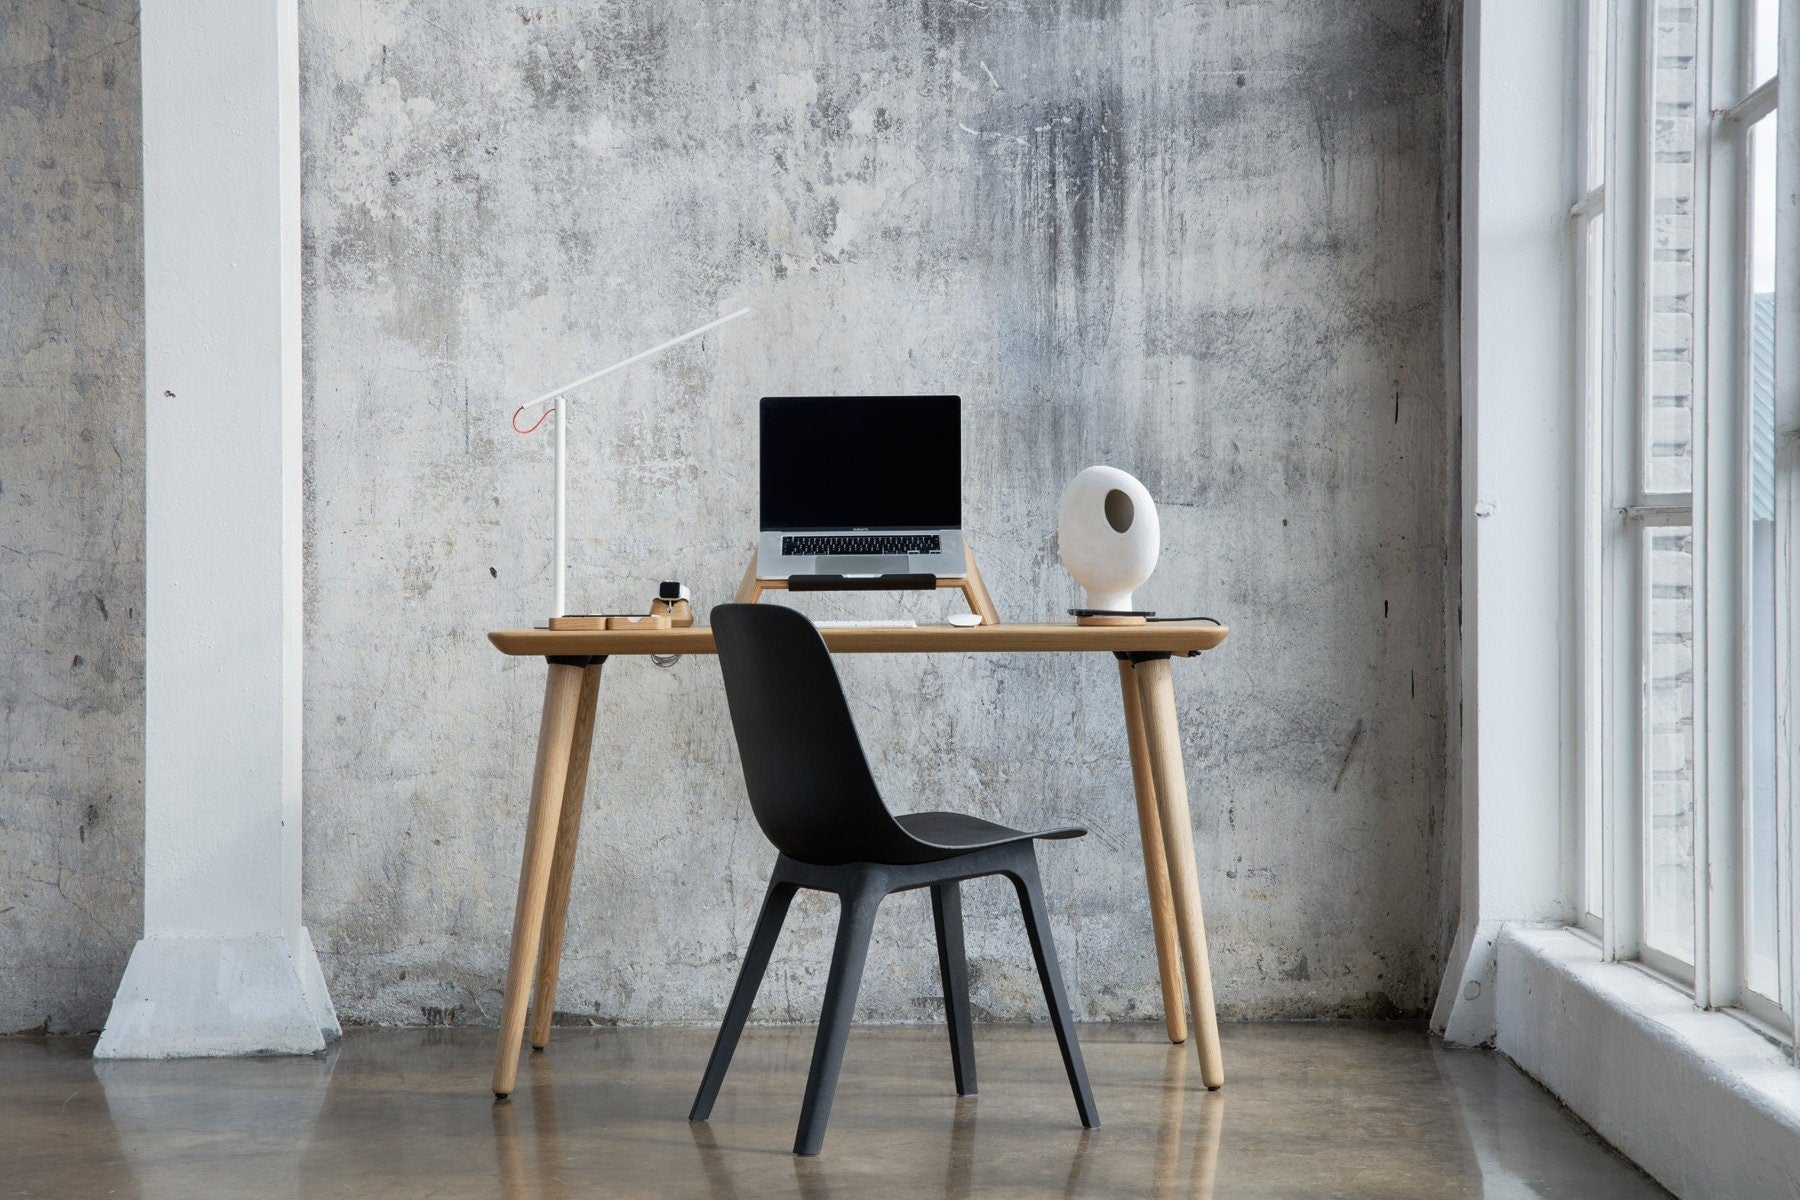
(1669, 749)
(1593, 358)
(1762, 39)
(1762, 935)
(1668, 429)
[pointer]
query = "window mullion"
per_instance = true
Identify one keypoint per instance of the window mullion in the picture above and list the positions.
(1720, 625)
(1713, 908)
(1627, 252)
(1593, 839)
(1591, 891)
(1787, 467)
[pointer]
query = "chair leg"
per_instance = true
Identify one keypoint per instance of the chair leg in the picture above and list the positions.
(756, 961)
(1037, 927)
(953, 968)
(856, 923)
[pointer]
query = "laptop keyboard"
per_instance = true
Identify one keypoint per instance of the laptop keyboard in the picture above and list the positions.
(861, 543)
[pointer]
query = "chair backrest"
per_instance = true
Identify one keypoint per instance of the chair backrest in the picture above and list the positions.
(809, 782)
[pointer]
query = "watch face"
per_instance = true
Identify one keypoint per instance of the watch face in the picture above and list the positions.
(670, 590)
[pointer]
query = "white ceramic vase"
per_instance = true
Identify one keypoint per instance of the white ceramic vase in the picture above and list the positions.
(1108, 535)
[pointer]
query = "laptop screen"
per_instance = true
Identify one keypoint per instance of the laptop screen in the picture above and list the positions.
(861, 462)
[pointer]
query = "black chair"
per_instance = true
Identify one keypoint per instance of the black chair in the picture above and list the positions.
(812, 794)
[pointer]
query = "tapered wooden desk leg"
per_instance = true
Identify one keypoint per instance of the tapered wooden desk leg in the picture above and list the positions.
(562, 862)
(1156, 860)
(1156, 690)
(562, 699)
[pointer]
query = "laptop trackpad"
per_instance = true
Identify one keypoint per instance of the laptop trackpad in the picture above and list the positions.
(861, 564)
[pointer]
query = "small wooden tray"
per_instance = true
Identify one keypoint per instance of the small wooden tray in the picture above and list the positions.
(589, 622)
(679, 612)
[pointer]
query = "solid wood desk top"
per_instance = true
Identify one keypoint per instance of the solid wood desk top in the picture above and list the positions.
(1157, 637)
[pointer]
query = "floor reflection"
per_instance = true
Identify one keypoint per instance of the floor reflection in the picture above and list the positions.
(813, 1177)
(1182, 1166)
(545, 1177)
(1507, 1149)
(1179, 1097)
(177, 1123)
(1372, 1111)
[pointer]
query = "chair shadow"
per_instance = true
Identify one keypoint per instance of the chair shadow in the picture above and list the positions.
(1191, 1176)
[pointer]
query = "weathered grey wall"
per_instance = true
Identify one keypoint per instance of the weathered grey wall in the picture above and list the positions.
(1199, 242)
(71, 510)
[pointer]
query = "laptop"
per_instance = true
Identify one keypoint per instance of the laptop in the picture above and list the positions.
(861, 487)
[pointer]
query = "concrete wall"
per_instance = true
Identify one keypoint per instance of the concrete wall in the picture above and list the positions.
(71, 510)
(1200, 243)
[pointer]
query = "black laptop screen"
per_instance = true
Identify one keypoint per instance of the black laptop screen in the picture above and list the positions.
(861, 462)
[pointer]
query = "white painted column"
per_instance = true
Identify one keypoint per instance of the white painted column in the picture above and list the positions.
(225, 966)
(1521, 434)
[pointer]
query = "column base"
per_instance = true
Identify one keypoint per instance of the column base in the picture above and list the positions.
(220, 995)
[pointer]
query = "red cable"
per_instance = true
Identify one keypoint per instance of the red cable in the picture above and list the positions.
(540, 420)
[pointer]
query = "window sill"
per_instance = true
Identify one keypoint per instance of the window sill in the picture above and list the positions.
(1698, 1099)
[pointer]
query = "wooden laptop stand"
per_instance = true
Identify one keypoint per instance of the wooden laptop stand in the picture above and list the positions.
(971, 586)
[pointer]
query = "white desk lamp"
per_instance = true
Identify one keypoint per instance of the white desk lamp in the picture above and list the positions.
(562, 430)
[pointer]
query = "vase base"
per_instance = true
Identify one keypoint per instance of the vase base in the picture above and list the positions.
(1099, 616)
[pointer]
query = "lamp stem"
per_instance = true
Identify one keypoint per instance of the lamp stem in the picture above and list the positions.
(560, 607)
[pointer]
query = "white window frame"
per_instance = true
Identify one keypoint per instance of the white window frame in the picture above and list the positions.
(1611, 779)
(1593, 365)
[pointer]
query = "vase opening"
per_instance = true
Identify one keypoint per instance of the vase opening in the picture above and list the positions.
(1119, 510)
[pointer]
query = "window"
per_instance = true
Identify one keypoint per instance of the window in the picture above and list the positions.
(1685, 858)
(1747, 150)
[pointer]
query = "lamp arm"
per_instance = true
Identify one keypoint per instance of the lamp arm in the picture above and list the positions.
(638, 357)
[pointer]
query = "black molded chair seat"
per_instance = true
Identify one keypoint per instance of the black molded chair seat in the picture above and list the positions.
(956, 833)
(812, 794)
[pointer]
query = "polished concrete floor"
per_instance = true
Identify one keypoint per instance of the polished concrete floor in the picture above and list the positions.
(1338, 1110)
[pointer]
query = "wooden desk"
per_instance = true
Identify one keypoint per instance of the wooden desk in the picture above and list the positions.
(565, 737)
